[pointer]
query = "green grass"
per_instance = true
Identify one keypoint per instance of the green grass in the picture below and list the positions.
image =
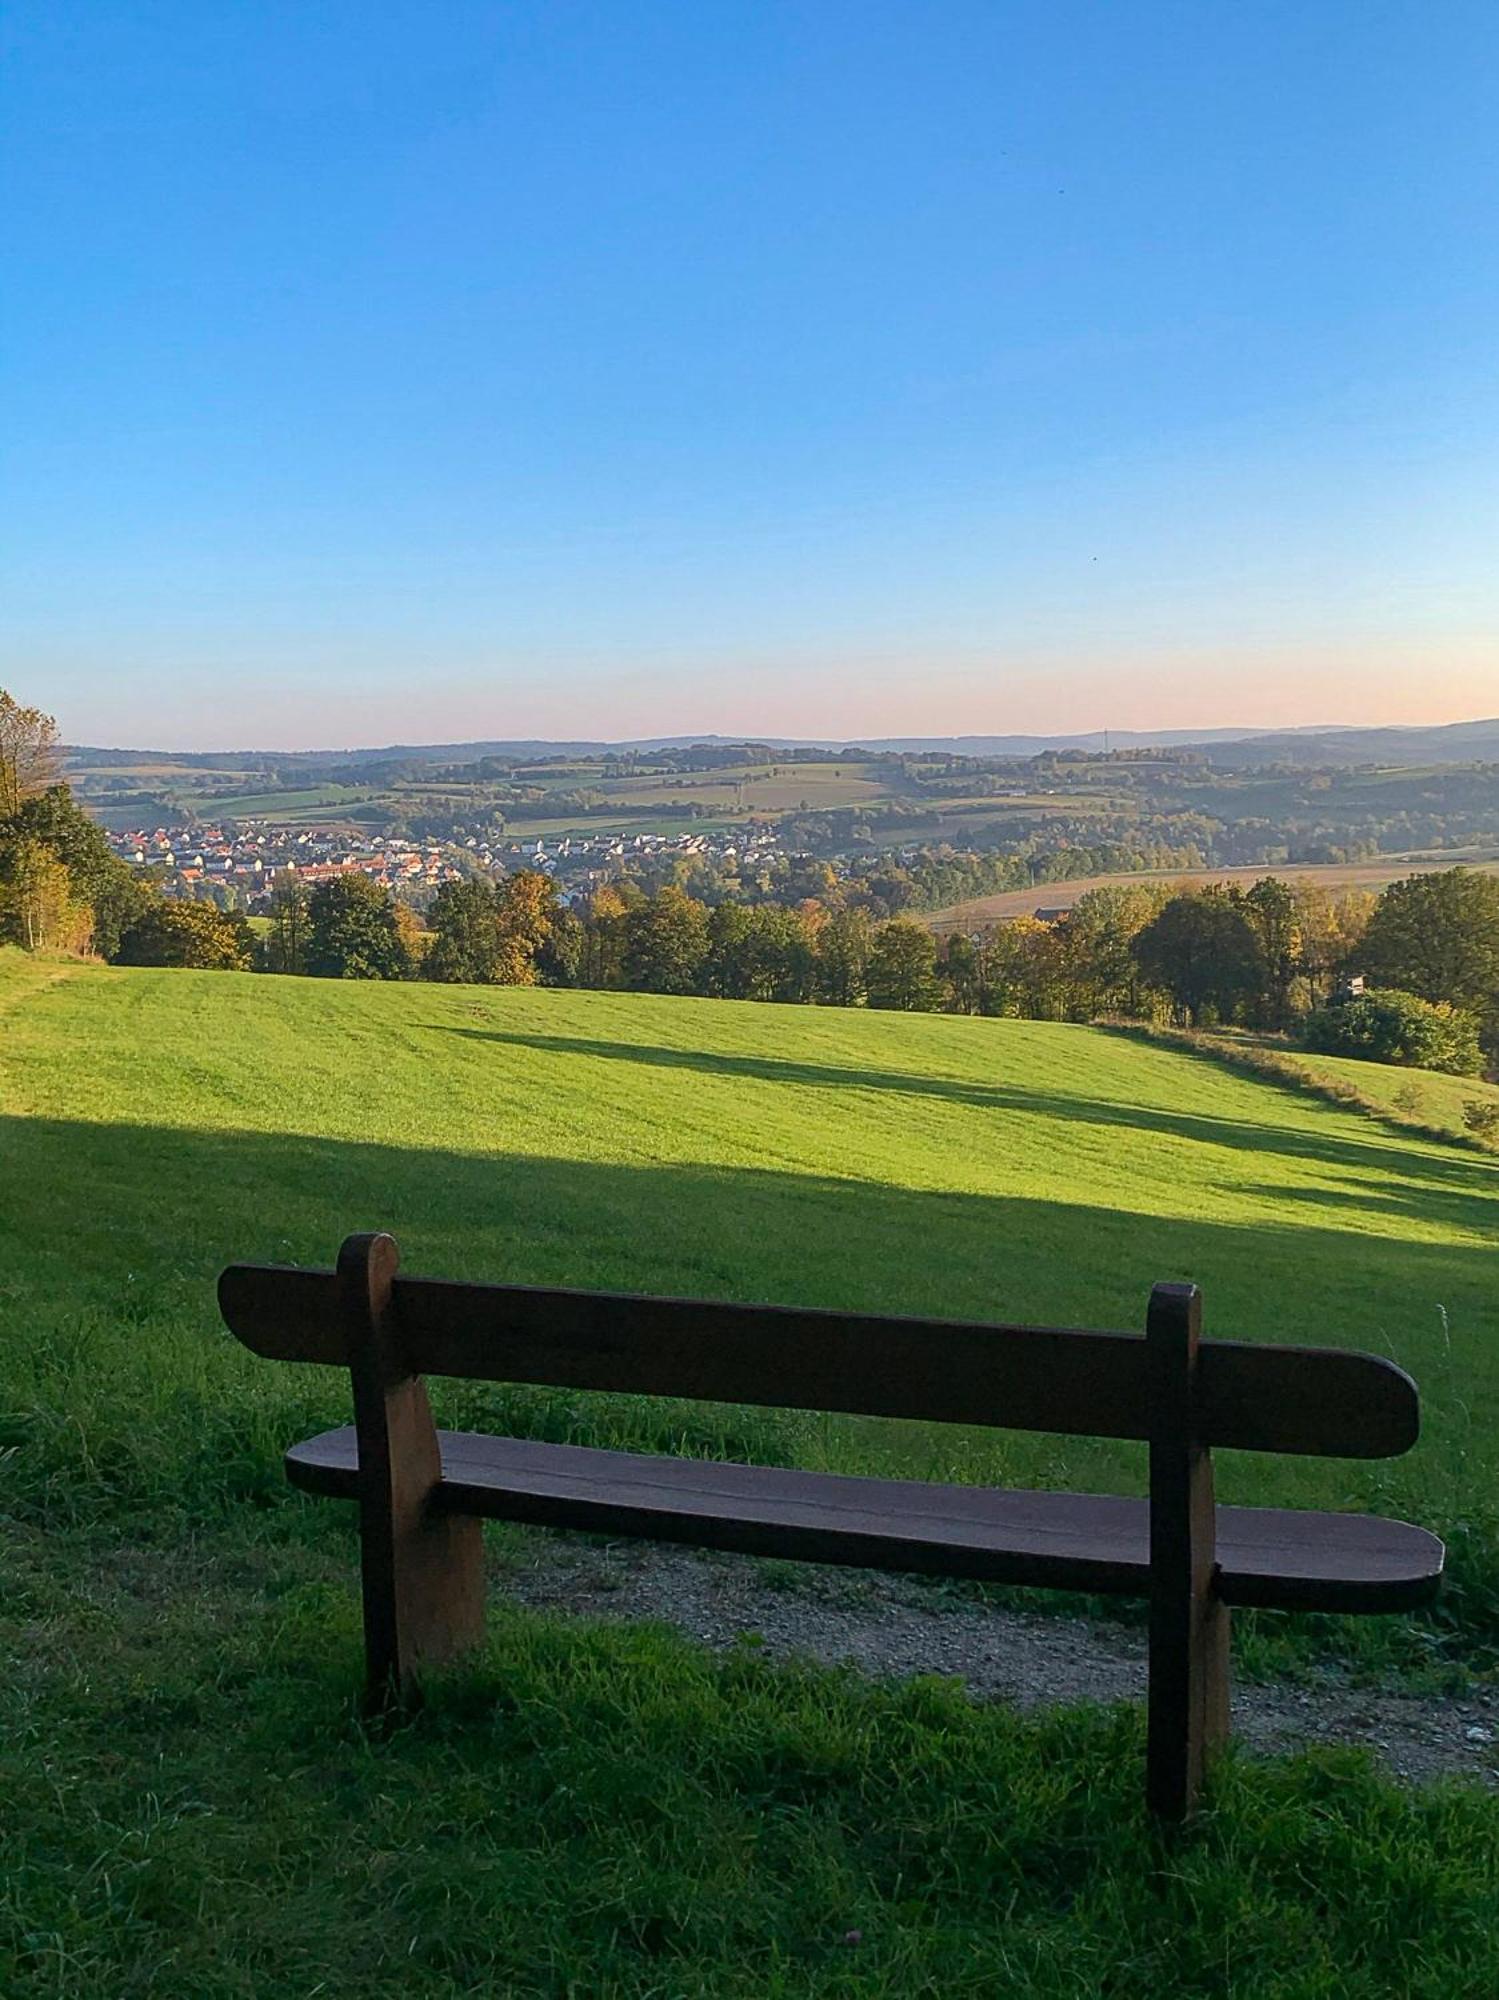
(193, 1813)
(1423, 1096)
(190, 1808)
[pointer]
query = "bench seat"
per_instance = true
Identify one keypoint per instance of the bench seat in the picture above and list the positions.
(1273, 1557)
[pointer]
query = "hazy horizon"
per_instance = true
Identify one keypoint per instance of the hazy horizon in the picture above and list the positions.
(763, 734)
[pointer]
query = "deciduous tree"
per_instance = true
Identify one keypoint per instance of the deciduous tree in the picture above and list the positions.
(287, 941)
(1437, 935)
(197, 936)
(1202, 951)
(843, 948)
(353, 932)
(38, 907)
(1391, 1027)
(28, 753)
(465, 923)
(666, 943)
(903, 968)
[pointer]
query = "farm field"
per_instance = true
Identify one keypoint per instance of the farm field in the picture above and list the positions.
(1011, 903)
(192, 1809)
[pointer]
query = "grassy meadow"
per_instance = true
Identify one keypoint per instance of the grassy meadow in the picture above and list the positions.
(191, 1807)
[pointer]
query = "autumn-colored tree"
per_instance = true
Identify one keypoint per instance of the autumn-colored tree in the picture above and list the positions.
(1329, 925)
(415, 938)
(601, 952)
(529, 906)
(198, 936)
(28, 753)
(1270, 907)
(38, 907)
(1025, 970)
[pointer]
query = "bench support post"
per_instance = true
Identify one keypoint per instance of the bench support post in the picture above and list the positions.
(422, 1572)
(1188, 1701)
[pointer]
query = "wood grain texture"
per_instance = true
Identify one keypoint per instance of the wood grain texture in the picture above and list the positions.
(1284, 1558)
(1295, 1400)
(421, 1567)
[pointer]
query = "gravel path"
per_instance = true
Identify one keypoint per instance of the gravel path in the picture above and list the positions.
(890, 1626)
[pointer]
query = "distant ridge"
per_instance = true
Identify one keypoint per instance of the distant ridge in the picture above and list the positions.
(524, 746)
(1238, 749)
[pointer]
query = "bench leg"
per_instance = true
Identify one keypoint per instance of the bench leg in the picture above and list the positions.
(422, 1571)
(1189, 1627)
(1188, 1713)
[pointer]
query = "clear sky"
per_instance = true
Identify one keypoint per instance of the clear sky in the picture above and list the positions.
(391, 371)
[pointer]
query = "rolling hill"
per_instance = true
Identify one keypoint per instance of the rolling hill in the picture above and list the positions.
(999, 1169)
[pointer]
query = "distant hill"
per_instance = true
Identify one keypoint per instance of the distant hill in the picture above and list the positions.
(1231, 749)
(1452, 743)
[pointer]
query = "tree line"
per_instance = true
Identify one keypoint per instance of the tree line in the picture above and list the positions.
(1271, 956)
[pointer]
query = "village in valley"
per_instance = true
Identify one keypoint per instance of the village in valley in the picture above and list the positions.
(236, 864)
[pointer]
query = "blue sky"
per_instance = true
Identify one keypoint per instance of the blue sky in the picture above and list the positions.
(413, 372)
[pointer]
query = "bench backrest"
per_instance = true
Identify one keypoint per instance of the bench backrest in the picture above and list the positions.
(1330, 1402)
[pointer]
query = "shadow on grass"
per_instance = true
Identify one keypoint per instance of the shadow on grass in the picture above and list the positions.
(125, 1400)
(129, 1222)
(1464, 1176)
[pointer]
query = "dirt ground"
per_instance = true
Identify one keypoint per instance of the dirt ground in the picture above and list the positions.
(894, 1627)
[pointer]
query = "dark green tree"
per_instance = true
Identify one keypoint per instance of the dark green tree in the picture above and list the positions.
(666, 943)
(1437, 936)
(1270, 906)
(961, 967)
(843, 948)
(731, 967)
(1202, 951)
(468, 943)
(286, 943)
(353, 932)
(903, 968)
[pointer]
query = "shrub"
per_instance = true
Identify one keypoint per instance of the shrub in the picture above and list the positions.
(1393, 1027)
(1481, 1117)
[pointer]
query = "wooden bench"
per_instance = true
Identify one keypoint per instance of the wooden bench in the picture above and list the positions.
(422, 1492)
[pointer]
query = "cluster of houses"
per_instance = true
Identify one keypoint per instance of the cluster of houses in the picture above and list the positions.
(202, 858)
(594, 857)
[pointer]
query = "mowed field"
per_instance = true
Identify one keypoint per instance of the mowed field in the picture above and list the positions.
(1009, 903)
(192, 1808)
(158, 1125)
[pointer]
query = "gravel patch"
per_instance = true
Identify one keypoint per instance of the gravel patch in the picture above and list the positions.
(892, 1627)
